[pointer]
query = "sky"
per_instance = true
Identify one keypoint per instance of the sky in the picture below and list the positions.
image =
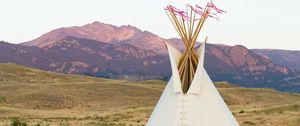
(267, 24)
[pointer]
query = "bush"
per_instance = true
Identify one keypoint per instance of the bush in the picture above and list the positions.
(249, 123)
(17, 122)
(2, 99)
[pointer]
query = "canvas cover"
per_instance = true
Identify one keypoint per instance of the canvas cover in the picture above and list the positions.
(202, 105)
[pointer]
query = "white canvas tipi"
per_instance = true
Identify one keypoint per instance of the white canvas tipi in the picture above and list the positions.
(202, 105)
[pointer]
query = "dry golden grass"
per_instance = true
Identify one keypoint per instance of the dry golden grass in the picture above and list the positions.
(71, 100)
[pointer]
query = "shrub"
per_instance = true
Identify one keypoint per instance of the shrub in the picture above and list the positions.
(249, 123)
(2, 99)
(17, 122)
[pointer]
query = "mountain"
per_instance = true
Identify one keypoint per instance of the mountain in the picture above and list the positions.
(73, 55)
(287, 58)
(237, 64)
(104, 33)
(126, 52)
(25, 55)
(83, 56)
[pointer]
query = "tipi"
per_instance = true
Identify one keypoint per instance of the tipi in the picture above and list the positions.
(186, 100)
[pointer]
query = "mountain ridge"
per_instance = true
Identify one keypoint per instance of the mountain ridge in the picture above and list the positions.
(141, 55)
(105, 33)
(289, 58)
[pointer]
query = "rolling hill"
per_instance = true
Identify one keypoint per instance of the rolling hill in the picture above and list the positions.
(46, 98)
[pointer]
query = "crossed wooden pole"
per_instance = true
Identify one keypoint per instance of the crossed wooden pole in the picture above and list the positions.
(188, 28)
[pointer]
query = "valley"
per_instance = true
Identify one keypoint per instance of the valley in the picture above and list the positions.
(50, 99)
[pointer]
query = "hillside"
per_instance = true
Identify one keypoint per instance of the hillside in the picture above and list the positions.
(239, 65)
(287, 58)
(15, 74)
(73, 100)
(83, 56)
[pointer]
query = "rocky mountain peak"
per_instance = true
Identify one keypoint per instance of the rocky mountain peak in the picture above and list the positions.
(104, 33)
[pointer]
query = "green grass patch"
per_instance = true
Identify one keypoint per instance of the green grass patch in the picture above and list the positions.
(249, 123)
(2, 99)
(281, 109)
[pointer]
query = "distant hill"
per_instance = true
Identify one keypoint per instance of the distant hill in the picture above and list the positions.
(125, 52)
(46, 98)
(287, 58)
(16, 74)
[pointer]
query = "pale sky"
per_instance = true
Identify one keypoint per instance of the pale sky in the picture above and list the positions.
(253, 23)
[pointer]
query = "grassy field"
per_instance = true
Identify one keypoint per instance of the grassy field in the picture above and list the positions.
(41, 98)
